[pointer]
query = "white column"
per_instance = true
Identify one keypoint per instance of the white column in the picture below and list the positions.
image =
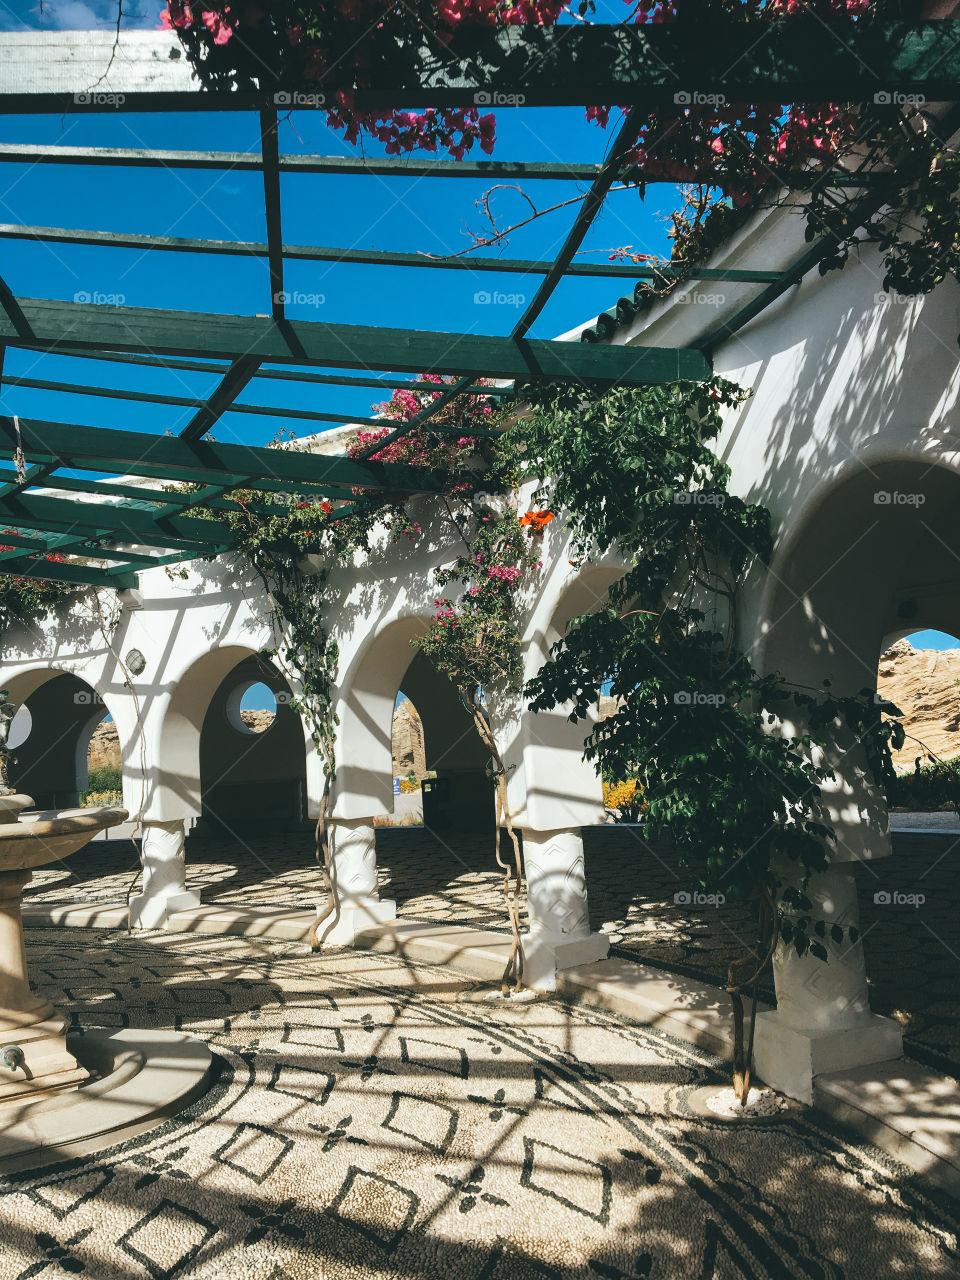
(353, 847)
(559, 936)
(823, 1022)
(164, 876)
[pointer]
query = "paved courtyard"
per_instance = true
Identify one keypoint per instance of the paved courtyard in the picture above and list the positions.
(376, 1119)
(912, 947)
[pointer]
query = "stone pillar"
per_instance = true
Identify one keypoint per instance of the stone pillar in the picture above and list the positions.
(823, 1022)
(33, 1050)
(353, 847)
(164, 877)
(559, 936)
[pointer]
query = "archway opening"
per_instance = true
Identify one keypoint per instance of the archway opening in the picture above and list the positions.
(61, 732)
(410, 771)
(920, 674)
(458, 794)
(252, 756)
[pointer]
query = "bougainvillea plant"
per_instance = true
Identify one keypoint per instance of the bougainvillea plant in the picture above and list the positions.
(737, 793)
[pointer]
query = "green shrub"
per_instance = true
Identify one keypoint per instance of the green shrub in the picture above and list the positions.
(105, 777)
(931, 787)
(100, 799)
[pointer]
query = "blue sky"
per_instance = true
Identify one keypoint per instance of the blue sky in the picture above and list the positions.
(429, 215)
(933, 640)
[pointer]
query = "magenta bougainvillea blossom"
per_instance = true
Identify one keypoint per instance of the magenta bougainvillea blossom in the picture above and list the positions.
(735, 147)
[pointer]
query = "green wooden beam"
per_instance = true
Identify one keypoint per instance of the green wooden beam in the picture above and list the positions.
(147, 397)
(118, 523)
(240, 161)
(85, 325)
(209, 461)
(272, 208)
(797, 59)
(589, 208)
(374, 257)
(64, 571)
(281, 375)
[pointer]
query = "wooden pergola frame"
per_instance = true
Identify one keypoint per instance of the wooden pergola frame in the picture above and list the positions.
(639, 66)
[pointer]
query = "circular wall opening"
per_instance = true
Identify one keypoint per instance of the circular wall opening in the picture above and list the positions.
(252, 707)
(20, 727)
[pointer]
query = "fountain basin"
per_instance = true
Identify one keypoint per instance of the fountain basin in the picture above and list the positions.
(47, 836)
(34, 1058)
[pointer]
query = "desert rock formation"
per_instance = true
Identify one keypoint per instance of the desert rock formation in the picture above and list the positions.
(104, 748)
(925, 685)
(408, 749)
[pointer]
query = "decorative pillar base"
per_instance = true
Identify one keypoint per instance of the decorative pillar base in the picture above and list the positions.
(544, 954)
(354, 917)
(789, 1058)
(164, 877)
(148, 912)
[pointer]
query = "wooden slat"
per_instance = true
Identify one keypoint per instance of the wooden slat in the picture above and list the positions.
(309, 342)
(208, 461)
(372, 257)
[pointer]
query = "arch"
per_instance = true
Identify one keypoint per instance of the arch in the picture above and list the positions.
(562, 790)
(175, 775)
(248, 777)
(462, 795)
(365, 704)
(65, 708)
(876, 537)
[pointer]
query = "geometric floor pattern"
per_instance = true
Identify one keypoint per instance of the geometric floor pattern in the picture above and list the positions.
(912, 947)
(372, 1119)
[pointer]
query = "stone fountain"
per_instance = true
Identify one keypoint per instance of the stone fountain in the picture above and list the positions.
(33, 1051)
(48, 1100)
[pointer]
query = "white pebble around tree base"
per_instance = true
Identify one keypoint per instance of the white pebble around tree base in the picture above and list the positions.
(760, 1103)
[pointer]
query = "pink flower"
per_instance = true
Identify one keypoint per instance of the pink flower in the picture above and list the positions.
(177, 15)
(218, 25)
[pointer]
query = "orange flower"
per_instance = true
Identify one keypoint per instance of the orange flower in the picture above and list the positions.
(536, 521)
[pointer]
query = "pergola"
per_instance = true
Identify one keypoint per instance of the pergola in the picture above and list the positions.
(638, 67)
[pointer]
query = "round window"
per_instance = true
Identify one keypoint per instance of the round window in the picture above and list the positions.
(252, 707)
(20, 728)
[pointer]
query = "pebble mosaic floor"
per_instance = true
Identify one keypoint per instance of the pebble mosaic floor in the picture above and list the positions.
(912, 946)
(374, 1120)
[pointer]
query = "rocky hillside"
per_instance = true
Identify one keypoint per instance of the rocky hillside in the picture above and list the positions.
(925, 685)
(408, 751)
(104, 746)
